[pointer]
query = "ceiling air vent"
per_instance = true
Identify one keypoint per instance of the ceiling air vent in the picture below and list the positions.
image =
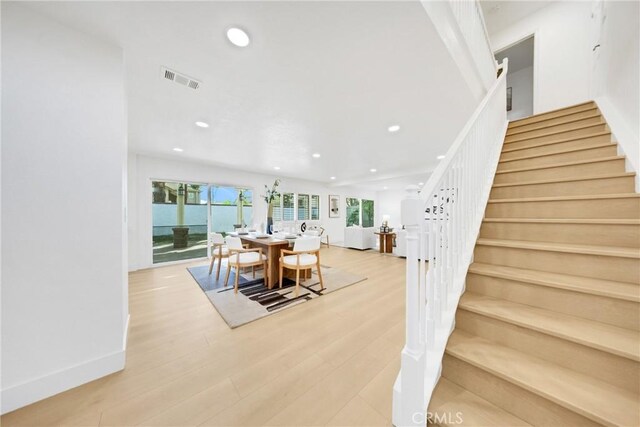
(180, 78)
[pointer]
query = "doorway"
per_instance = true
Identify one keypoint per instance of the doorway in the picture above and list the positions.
(520, 78)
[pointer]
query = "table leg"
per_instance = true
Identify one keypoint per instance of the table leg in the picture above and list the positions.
(381, 243)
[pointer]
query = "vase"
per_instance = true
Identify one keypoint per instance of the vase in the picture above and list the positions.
(269, 218)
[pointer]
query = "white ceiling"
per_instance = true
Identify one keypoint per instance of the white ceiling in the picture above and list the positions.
(520, 55)
(325, 77)
(498, 15)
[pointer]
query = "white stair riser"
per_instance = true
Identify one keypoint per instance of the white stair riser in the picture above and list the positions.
(573, 156)
(617, 185)
(624, 235)
(606, 167)
(612, 311)
(622, 208)
(522, 403)
(537, 149)
(554, 121)
(605, 366)
(615, 268)
(569, 125)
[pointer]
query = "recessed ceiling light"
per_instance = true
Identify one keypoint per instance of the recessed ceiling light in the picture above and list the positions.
(276, 168)
(384, 188)
(393, 128)
(238, 37)
(202, 124)
(315, 155)
(333, 177)
(179, 150)
(421, 184)
(373, 170)
(441, 157)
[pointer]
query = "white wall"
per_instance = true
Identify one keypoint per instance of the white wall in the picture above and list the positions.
(389, 202)
(521, 84)
(64, 289)
(147, 169)
(616, 74)
(562, 52)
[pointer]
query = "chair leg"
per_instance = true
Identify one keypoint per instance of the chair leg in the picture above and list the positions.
(213, 260)
(218, 272)
(297, 282)
(226, 277)
(320, 276)
(280, 277)
(235, 286)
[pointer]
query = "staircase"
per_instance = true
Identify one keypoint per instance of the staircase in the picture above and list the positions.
(547, 331)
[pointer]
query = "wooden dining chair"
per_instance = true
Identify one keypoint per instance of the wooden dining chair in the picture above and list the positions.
(218, 251)
(241, 257)
(305, 255)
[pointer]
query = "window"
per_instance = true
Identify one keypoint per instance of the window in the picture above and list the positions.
(230, 206)
(315, 207)
(367, 213)
(353, 211)
(277, 208)
(288, 207)
(303, 207)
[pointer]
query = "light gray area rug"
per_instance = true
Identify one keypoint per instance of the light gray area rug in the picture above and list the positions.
(255, 301)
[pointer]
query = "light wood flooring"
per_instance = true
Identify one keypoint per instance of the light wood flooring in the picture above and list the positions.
(330, 361)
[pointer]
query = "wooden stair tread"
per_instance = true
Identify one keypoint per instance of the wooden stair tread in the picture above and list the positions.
(518, 122)
(613, 251)
(556, 132)
(450, 398)
(591, 398)
(608, 338)
(590, 116)
(571, 150)
(506, 149)
(564, 198)
(588, 285)
(555, 180)
(563, 164)
(594, 221)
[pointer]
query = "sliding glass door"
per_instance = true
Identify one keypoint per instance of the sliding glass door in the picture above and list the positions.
(231, 208)
(179, 221)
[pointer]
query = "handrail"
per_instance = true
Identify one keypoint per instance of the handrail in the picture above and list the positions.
(443, 223)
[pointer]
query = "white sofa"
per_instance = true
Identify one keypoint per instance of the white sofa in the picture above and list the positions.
(359, 238)
(401, 243)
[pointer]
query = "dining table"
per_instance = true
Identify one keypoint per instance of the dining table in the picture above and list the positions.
(271, 246)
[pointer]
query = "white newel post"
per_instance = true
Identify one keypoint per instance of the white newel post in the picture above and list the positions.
(412, 397)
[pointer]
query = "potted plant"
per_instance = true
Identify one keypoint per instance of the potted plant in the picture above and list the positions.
(269, 197)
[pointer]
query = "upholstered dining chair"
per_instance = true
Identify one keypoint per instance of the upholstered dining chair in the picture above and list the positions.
(218, 251)
(304, 256)
(241, 257)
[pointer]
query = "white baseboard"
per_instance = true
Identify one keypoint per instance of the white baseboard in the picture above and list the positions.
(48, 385)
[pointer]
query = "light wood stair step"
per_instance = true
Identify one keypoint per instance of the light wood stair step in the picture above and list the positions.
(599, 262)
(611, 339)
(553, 114)
(574, 169)
(520, 149)
(612, 206)
(581, 231)
(553, 121)
(551, 134)
(568, 155)
(616, 183)
(608, 288)
(449, 399)
(565, 125)
(593, 399)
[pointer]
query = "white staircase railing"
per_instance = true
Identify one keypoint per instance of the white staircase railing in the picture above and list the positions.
(442, 224)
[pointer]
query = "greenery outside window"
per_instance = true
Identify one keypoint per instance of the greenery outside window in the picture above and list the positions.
(303, 207)
(353, 211)
(288, 207)
(367, 213)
